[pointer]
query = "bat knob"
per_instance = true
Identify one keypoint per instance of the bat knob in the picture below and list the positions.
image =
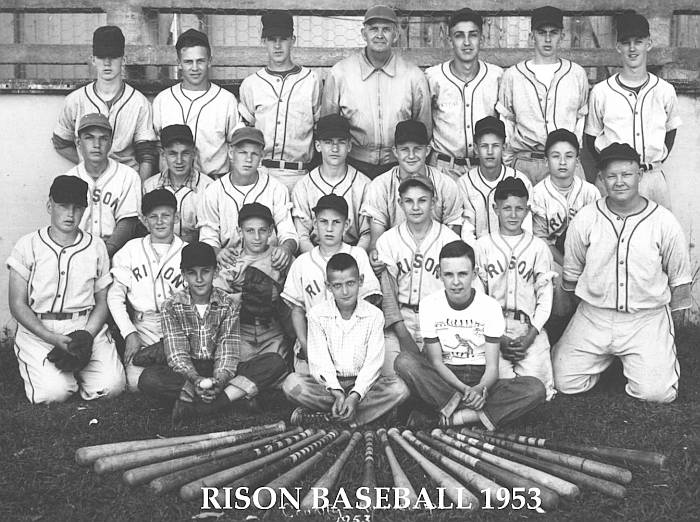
(297, 416)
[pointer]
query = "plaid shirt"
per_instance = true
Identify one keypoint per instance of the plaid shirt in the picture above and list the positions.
(187, 336)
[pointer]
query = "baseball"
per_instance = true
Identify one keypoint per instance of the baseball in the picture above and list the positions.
(206, 384)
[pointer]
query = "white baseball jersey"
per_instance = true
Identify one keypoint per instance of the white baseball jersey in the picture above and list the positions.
(618, 114)
(625, 264)
(517, 272)
(188, 198)
(130, 116)
(457, 106)
(552, 210)
(222, 200)
(381, 202)
(309, 190)
(306, 281)
(212, 116)
(415, 267)
(114, 196)
(477, 194)
(285, 108)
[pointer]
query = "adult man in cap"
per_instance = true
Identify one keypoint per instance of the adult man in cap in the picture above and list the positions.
(283, 100)
(627, 261)
(540, 95)
(463, 91)
(181, 178)
(636, 107)
(114, 189)
(210, 111)
(375, 89)
(128, 110)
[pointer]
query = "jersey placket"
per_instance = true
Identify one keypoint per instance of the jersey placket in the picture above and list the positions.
(623, 236)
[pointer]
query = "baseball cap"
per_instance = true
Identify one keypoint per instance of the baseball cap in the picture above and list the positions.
(417, 181)
(108, 42)
(381, 12)
(332, 126)
(631, 25)
(192, 38)
(277, 23)
(617, 151)
(69, 189)
(410, 131)
(178, 132)
(332, 202)
(489, 125)
(248, 134)
(561, 135)
(510, 186)
(254, 210)
(466, 15)
(197, 254)
(94, 119)
(547, 15)
(158, 198)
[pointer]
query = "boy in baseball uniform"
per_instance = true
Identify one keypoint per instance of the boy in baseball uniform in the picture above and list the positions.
(375, 89)
(478, 185)
(146, 272)
(540, 95)
(516, 269)
(218, 211)
(205, 371)
(627, 262)
(457, 376)
(181, 178)
(333, 176)
(114, 189)
(346, 353)
(636, 107)
(210, 111)
(306, 286)
(283, 100)
(58, 284)
(128, 111)
(463, 90)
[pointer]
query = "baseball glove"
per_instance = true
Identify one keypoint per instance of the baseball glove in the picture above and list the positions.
(150, 355)
(78, 354)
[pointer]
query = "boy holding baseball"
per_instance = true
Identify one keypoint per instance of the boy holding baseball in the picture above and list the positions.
(345, 347)
(201, 337)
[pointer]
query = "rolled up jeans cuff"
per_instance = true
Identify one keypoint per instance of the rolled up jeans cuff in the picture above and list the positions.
(245, 384)
(451, 406)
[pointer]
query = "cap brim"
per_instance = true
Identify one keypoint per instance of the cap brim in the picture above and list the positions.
(381, 18)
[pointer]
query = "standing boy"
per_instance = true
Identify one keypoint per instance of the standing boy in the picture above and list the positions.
(58, 286)
(283, 100)
(346, 353)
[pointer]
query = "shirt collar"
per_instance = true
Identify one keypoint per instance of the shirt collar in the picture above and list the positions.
(217, 297)
(360, 312)
(366, 68)
(190, 182)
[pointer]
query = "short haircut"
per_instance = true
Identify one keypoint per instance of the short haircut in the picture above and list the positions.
(191, 41)
(341, 262)
(458, 248)
(465, 15)
(510, 187)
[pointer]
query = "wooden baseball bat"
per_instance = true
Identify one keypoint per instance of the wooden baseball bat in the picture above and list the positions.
(89, 454)
(192, 489)
(183, 476)
(397, 474)
(626, 455)
(330, 477)
(476, 482)
(144, 474)
(577, 477)
(453, 489)
(300, 416)
(505, 472)
(592, 467)
(369, 478)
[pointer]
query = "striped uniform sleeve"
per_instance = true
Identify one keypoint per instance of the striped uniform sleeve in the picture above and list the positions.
(208, 217)
(575, 249)
(130, 202)
(452, 207)
(65, 125)
(544, 286)
(246, 104)
(375, 204)
(144, 122)
(104, 278)
(504, 106)
(283, 216)
(293, 291)
(301, 210)
(673, 115)
(21, 259)
(594, 119)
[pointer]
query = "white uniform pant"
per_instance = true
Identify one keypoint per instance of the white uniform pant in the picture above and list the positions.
(653, 186)
(149, 329)
(392, 348)
(287, 177)
(44, 382)
(537, 362)
(643, 341)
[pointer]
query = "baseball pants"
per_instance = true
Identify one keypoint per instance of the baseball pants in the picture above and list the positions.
(507, 399)
(643, 341)
(448, 167)
(287, 177)
(149, 329)
(385, 394)
(44, 382)
(371, 170)
(653, 186)
(392, 347)
(536, 168)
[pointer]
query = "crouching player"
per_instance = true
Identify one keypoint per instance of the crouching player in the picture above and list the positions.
(58, 284)
(201, 337)
(345, 346)
(457, 374)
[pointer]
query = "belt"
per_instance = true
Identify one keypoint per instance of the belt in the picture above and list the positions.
(533, 155)
(409, 306)
(62, 316)
(649, 166)
(462, 162)
(517, 315)
(140, 316)
(286, 165)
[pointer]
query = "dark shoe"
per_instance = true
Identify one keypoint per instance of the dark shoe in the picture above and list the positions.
(418, 418)
(183, 413)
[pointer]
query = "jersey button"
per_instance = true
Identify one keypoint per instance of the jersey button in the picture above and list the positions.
(622, 284)
(621, 307)
(622, 262)
(63, 273)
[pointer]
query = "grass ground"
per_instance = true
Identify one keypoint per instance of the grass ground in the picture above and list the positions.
(39, 480)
